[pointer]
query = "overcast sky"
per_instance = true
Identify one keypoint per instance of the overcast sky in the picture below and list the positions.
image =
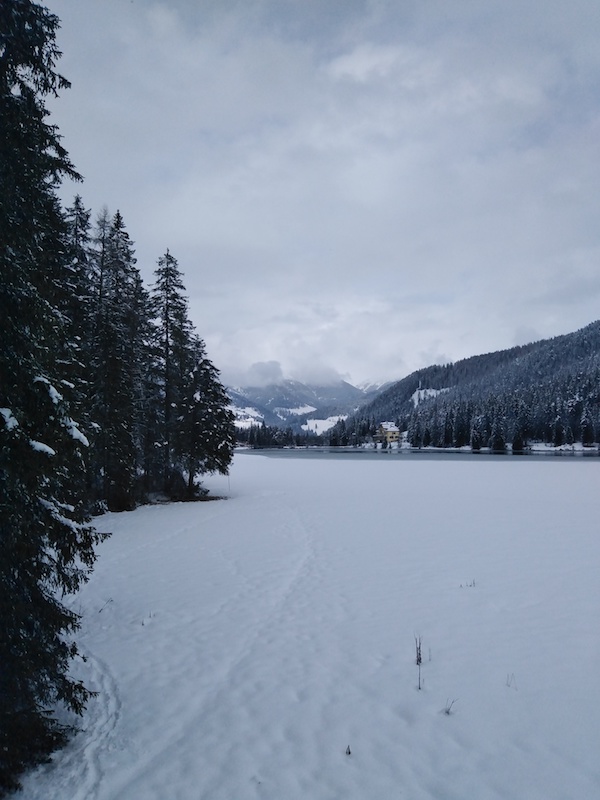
(351, 187)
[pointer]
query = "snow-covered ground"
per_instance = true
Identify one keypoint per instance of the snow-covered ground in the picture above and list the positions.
(322, 425)
(246, 417)
(239, 647)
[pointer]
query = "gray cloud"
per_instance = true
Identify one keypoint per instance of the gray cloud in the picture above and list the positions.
(262, 373)
(350, 188)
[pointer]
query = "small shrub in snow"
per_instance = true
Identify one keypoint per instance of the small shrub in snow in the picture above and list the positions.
(511, 681)
(447, 710)
(418, 657)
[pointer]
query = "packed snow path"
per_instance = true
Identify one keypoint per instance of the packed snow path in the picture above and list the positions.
(240, 646)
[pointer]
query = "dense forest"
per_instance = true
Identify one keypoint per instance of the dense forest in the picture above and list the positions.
(106, 394)
(548, 391)
(259, 436)
(152, 403)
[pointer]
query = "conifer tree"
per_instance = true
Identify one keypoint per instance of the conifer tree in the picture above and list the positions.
(477, 435)
(121, 305)
(77, 284)
(195, 425)
(206, 432)
(587, 427)
(76, 306)
(173, 342)
(46, 544)
(142, 365)
(497, 440)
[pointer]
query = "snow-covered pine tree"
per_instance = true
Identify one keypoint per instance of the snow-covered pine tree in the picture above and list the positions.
(206, 431)
(196, 432)
(46, 544)
(172, 346)
(497, 440)
(75, 302)
(77, 286)
(143, 366)
(120, 318)
(587, 426)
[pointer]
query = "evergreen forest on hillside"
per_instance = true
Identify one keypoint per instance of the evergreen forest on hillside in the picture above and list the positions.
(548, 391)
(106, 394)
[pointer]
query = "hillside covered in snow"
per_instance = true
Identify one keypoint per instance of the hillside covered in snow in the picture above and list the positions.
(296, 405)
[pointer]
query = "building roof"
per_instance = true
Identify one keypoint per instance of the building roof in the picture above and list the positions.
(389, 426)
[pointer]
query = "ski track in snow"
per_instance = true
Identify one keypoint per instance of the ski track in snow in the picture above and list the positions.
(250, 592)
(283, 599)
(76, 772)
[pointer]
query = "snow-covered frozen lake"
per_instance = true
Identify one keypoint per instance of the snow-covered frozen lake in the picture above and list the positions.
(241, 646)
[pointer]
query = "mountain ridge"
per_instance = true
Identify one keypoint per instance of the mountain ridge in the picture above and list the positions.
(292, 403)
(547, 390)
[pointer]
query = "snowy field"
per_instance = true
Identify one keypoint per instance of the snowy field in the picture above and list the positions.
(240, 646)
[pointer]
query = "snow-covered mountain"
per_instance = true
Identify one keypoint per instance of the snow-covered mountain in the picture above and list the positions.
(546, 391)
(373, 388)
(291, 403)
